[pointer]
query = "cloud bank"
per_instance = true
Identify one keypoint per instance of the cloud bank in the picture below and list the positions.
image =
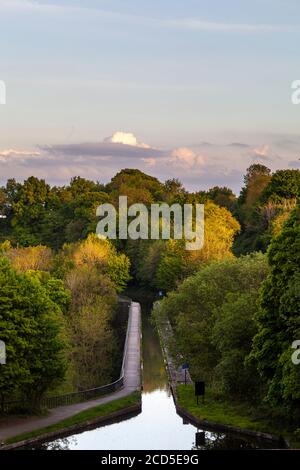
(198, 166)
(14, 154)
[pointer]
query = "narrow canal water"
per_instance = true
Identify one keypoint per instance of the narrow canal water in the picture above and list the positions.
(158, 426)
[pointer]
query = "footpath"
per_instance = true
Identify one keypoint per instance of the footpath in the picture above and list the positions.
(13, 426)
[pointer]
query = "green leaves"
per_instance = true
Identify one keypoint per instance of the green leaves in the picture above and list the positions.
(279, 319)
(30, 325)
(212, 314)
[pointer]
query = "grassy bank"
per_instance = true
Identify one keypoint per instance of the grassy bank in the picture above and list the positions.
(104, 410)
(238, 415)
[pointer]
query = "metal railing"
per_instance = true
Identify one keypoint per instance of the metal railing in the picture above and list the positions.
(84, 395)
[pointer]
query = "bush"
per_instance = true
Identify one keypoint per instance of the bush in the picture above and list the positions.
(200, 302)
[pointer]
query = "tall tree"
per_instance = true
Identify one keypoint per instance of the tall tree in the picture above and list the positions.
(223, 197)
(279, 319)
(285, 184)
(30, 325)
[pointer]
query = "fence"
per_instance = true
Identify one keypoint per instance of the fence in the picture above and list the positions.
(84, 395)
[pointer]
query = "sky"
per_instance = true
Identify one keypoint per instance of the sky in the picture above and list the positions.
(196, 90)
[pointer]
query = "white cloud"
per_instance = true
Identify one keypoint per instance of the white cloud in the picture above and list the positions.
(186, 158)
(10, 154)
(262, 151)
(125, 138)
(149, 161)
(199, 166)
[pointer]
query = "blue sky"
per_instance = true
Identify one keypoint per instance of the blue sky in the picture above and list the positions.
(178, 75)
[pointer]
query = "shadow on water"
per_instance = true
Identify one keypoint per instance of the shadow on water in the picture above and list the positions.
(154, 373)
(158, 426)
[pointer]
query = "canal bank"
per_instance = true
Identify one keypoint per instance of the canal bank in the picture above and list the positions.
(179, 392)
(79, 414)
(114, 411)
(158, 426)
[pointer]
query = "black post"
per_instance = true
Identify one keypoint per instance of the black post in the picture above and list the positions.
(200, 389)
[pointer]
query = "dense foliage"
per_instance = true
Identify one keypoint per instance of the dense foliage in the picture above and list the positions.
(265, 203)
(279, 319)
(31, 324)
(235, 322)
(212, 313)
(58, 318)
(234, 318)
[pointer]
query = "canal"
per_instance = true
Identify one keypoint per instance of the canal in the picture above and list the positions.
(158, 426)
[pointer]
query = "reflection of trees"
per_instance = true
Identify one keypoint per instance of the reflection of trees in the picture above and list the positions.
(59, 444)
(154, 374)
(218, 441)
(65, 443)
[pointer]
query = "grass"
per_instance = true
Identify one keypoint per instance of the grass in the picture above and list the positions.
(86, 415)
(239, 415)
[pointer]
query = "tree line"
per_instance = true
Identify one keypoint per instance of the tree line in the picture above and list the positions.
(235, 319)
(59, 318)
(230, 303)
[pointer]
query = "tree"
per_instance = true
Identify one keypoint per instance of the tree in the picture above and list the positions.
(171, 266)
(223, 197)
(38, 214)
(3, 215)
(127, 180)
(220, 228)
(55, 289)
(249, 211)
(37, 258)
(192, 308)
(264, 204)
(173, 190)
(92, 252)
(148, 260)
(279, 319)
(29, 203)
(232, 335)
(79, 212)
(31, 325)
(284, 184)
(13, 331)
(118, 267)
(94, 343)
(164, 263)
(256, 170)
(95, 252)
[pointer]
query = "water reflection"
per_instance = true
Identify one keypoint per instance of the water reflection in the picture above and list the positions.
(154, 374)
(158, 426)
(216, 441)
